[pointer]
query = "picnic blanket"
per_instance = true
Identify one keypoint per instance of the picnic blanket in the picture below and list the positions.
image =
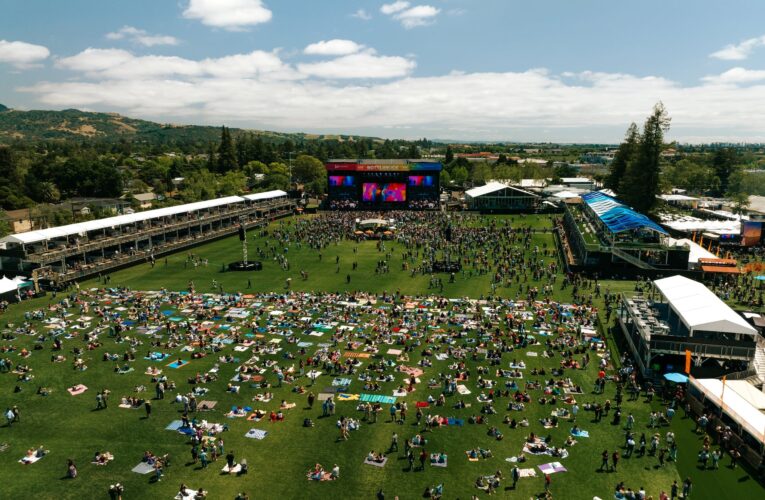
(256, 434)
(551, 468)
(434, 460)
(462, 389)
(187, 494)
(175, 364)
(347, 397)
(527, 473)
(581, 433)
(143, 468)
(341, 382)
(77, 389)
(206, 405)
(174, 425)
(30, 460)
(375, 398)
(236, 469)
(349, 354)
(376, 464)
(395, 352)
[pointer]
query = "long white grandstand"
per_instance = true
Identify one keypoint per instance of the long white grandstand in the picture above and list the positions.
(86, 248)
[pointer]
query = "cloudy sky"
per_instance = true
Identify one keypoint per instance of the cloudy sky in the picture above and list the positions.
(542, 70)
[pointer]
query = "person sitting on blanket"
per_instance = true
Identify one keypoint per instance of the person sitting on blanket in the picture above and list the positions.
(438, 458)
(102, 458)
(276, 417)
(29, 457)
(418, 440)
(376, 457)
(485, 453)
(460, 404)
(317, 473)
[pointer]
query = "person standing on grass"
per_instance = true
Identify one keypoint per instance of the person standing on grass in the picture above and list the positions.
(71, 469)
(674, 490)
(687, 485)
(394, 442)
(147, 405)
(515, 474)
(311, 399)
(604, 460)
(614, 460)
(423, 457)
(548, 480)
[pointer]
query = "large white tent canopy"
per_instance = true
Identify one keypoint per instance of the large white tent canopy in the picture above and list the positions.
(8, 285)
(120, 220)
(699, 308)
(736, 405)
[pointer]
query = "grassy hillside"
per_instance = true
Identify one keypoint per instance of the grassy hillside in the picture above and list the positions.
(70, 124)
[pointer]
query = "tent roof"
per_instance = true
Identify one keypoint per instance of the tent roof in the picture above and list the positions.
(697, 254)
(7, 285)
(119, 220)
(734, 404)
(493, 187)
(699, 308)
(267, 195)
(616, 216)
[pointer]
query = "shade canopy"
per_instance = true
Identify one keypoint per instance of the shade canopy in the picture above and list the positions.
(699, 308)
(616, 216)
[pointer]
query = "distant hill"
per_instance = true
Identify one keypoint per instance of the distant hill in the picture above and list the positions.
(70, 124)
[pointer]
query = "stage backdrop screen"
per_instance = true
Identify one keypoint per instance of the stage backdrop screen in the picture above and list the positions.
(341, 180)
(421, 180)
(395, 192)
(370, 192)
(392, 192)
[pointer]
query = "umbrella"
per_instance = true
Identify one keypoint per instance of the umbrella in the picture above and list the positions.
(369, 231)
(677, 378)
(358, 232)
(760, 277)
(388, 232)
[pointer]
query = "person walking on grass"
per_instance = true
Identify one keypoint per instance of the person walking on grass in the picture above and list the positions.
(687, 485)
(393, 443)
(147, 405)
(548, 481)
(604, 461)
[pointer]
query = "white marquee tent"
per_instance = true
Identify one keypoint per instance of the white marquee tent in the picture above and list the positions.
(699, 308)
(734, 404)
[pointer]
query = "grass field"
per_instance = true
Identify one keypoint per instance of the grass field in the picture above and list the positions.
(70, 427)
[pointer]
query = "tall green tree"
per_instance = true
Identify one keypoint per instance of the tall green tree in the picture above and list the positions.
(227, 160)
(723, 163)
(623, 156)
(449, 157)
(642, 179)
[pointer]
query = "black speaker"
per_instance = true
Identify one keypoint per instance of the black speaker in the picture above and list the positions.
(241, 233)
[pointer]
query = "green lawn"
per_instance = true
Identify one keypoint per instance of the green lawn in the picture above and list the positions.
(70, 428)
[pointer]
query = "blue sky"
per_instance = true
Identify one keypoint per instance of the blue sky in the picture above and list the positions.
(547, 70)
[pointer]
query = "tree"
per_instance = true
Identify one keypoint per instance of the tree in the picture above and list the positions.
(307, 169)
(623, 156)
(459, 175)
(227, 160)
(5, 227)
(723, 164)
(449, 157)
(641, 180)
(480, 173)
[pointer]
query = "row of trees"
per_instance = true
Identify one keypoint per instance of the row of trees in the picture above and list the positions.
(638, 173)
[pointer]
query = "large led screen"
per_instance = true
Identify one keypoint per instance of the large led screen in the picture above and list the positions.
(421, 180)
(341, 180)
(393, 192)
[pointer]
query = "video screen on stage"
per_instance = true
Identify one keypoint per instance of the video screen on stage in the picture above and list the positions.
(421, 180)
(374, 192)
(341, 181)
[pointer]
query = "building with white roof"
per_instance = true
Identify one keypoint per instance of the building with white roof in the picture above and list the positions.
(681, 315)
(496, 196)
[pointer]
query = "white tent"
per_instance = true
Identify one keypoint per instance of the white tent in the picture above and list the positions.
(120, 220)
(734, 404)
(699, 308)
(564, 195)
(697, 251)
(7, 285)
(267, 195)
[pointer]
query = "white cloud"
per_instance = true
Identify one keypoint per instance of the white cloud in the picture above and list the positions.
(232, 15)
(336, 47)
(22, 55)
(739, 51)
(421, 15)
(736, 76)
(141, 37)
(364, 65)
(408, 16)
(392, 8)
(362, 14)
(122, 65)
(368, 93)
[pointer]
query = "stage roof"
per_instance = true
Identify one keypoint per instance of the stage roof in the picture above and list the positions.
(383, 166)
(616, 216)
(267, 195)
(699, 308)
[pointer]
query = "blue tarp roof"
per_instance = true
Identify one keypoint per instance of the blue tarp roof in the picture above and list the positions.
(616, 216)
